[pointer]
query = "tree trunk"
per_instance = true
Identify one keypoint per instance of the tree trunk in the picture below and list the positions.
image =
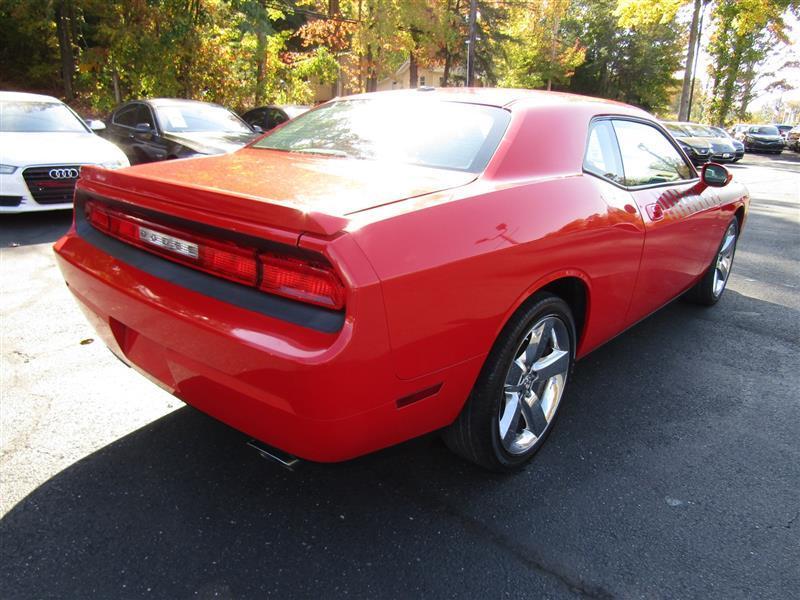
(261, 66)
(473, 15)
(372, 76)
(448, 58)
(688, 73)
(413, 74)
(729, 86)
(336, 86)
(749, 83)
(65, 48)
(553, 51)
(115, 81)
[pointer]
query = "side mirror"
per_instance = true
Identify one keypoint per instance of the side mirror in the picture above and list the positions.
(143, 128)
(714, 175)
(257, 128)
(96, 124)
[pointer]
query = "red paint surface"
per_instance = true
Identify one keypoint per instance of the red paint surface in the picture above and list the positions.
(434, 262)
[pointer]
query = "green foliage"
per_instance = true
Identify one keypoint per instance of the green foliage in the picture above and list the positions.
(245, 52)
(633, 64)
(746, 32)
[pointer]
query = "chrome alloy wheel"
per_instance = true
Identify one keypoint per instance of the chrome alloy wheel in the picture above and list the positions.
(722, 267)
(534, 384)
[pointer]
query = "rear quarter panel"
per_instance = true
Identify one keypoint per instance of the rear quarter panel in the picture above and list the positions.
(453, 273)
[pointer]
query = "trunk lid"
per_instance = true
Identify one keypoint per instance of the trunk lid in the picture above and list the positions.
(289, 191)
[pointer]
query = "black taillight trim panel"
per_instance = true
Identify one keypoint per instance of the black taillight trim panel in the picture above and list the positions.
(292, 311)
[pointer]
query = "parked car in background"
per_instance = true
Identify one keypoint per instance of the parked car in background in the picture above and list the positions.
(737, 145)
(269, 117)
(737, 129)
(265, 117)
(761, 138)
(783, 129)
(793, 139)
(166, 128)
(43, 147)
(697, 148)
(393, 264)
(295, 110)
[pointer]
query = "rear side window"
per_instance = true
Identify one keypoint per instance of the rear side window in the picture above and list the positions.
(143, 115)
(648, 157)
(127, 116)
(602, 154)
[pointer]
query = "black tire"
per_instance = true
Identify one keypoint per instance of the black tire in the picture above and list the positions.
(475, 433)
(704, 292)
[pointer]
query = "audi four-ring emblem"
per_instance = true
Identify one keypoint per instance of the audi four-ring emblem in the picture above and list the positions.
(64, 173)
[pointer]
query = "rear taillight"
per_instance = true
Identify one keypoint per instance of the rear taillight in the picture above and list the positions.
(301, 280)
(311, 281)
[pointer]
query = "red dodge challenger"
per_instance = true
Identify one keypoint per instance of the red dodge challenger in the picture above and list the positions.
(396, 263)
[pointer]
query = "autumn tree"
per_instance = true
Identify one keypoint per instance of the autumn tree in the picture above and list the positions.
(634, 64)
(539, 51)
(746, 31)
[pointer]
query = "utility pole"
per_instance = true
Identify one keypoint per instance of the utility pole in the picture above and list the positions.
(473, 15)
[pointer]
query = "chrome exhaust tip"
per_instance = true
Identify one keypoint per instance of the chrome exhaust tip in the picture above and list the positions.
(284, 459)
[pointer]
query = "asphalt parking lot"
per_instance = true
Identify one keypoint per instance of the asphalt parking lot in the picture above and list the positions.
(674, 471)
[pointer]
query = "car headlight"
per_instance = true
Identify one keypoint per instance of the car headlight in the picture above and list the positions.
(7, 169)
(115, 164)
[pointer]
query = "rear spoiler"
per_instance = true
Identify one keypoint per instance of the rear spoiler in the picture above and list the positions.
(190, 201)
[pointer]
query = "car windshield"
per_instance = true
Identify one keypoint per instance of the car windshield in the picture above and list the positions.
(764, 130)
(447, 135)
(720, 132)
(193, 118)
(675, 129)
(699, 130)
(34, 116)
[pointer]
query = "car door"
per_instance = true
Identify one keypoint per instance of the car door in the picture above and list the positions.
(681, 216)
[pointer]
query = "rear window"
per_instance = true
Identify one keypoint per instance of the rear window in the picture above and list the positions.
(431, 133)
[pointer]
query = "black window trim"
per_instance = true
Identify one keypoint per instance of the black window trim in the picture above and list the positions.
(658, 127)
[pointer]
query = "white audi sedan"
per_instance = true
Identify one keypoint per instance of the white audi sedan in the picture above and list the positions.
(43, 145)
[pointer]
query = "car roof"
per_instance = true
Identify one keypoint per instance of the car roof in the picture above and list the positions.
(173, 101)
(500, 97)
(26, 97)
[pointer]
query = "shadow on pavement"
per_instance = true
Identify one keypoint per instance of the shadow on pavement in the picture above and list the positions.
(33, 228)
(182, 508)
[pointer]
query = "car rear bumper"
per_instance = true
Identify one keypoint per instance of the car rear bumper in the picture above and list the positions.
(322, 396)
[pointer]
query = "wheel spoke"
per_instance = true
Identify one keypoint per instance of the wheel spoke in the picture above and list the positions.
(722, 267)
(727, 245)
(516, 371)
(538, 344)
(509, 420)
(555, 363)
(534, 415)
